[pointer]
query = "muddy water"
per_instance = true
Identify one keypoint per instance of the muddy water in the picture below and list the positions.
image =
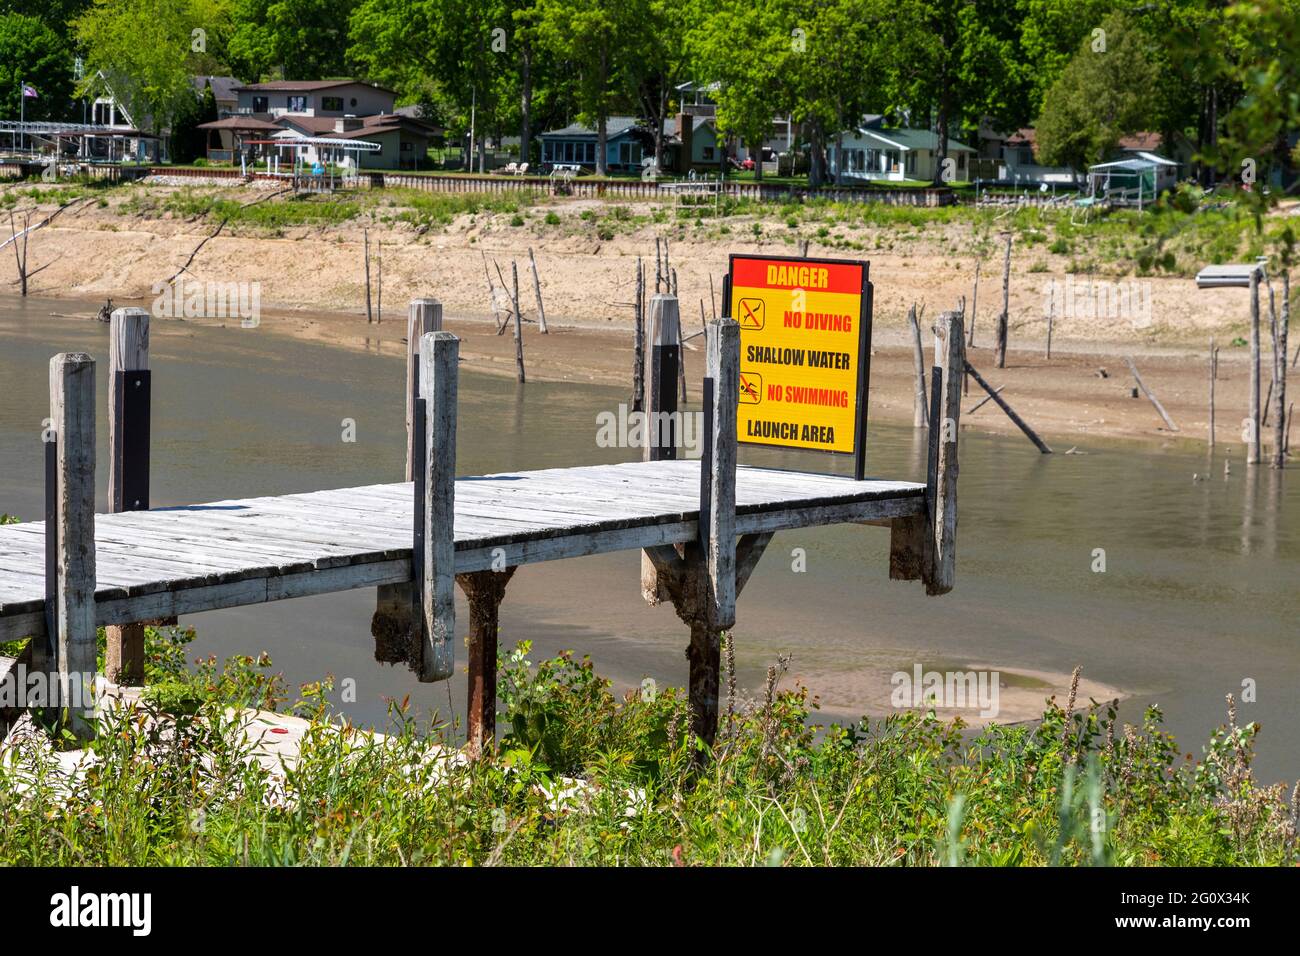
(1200, 592)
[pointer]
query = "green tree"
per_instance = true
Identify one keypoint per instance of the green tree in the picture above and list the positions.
(148, 53)
(598, 42)
(290, 39)
(1103, 94)
(32, 52)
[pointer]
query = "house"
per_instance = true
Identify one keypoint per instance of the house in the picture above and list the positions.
(226, 101)
(315, 98)
(876, 152)
(124, 140)
(627, 142)
(223, 92)
(699, 100)
(1017, 162)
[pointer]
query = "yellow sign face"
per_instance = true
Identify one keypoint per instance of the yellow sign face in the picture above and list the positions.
(803, 342)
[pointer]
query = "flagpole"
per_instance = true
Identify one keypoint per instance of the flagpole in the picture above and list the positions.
(22, 115)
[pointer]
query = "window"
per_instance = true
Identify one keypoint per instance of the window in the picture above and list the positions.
(407, 147)
(332, 103)
(590, 153)
(297, 104)
(568, 152)
(708, 153)
(546, 151)
(911, 162)
(260, 104)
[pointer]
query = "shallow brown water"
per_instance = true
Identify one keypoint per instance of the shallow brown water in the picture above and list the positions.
(1201, 589)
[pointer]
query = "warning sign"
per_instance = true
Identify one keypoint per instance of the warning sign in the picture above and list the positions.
(804, 347)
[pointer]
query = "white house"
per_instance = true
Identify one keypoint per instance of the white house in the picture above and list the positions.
(874, 152)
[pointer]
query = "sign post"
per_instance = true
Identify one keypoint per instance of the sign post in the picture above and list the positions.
(805, 348)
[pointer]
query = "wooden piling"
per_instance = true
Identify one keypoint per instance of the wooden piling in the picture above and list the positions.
(519, 328)
(1254, 450)
(537, 293)
(720, 545)
(1004, 318)
(366, 235)
(1214, 360)
(638, 348)
(950, 365)
(422, 317)
(129, 391)
(918, 367)
(395, 624)
(663, 357)
(70, 606)
(439, 353)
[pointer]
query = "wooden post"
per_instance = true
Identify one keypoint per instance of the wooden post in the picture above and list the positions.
(484, 591)
(70, 608)
(537, 293)
(1006, 308)
(638, 358)
(1002, 404)
(663, 358)
(519, 328)
(1051, 314)
(422, 317)
(950, 365)
(439, 353)
(394, 625)
(1279, 374)
(714, 557)
(918, 363)
(1254, 449)
(128, 454)
(974, 298)
(369, 317)
(1214, 358)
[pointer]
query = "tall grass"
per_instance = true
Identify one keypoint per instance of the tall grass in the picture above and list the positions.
(582, 777)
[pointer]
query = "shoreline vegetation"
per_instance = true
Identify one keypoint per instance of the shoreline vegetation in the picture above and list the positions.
(583, 777)
(307, 257)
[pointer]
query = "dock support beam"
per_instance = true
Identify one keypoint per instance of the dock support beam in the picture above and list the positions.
(70, 571)
(397, 605)
(129, 399)
(435, 496)
(484, 591)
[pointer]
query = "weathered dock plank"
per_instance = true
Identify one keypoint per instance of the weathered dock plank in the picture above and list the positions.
(183, 560)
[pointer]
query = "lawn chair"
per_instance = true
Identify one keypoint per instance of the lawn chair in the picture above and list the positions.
(509, 169)
(522, 170)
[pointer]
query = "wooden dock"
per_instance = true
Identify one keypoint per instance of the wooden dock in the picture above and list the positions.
(184, 560)
(701, 525)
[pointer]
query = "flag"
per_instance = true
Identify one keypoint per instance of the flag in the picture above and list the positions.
(29, 91)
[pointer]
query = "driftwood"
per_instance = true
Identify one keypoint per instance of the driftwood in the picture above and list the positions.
(216, 232)
(984, 401)
(44, 222)
(1002, 404)
(1169, 422)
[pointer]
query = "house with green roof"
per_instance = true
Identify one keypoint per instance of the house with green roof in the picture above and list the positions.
(876, 152)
